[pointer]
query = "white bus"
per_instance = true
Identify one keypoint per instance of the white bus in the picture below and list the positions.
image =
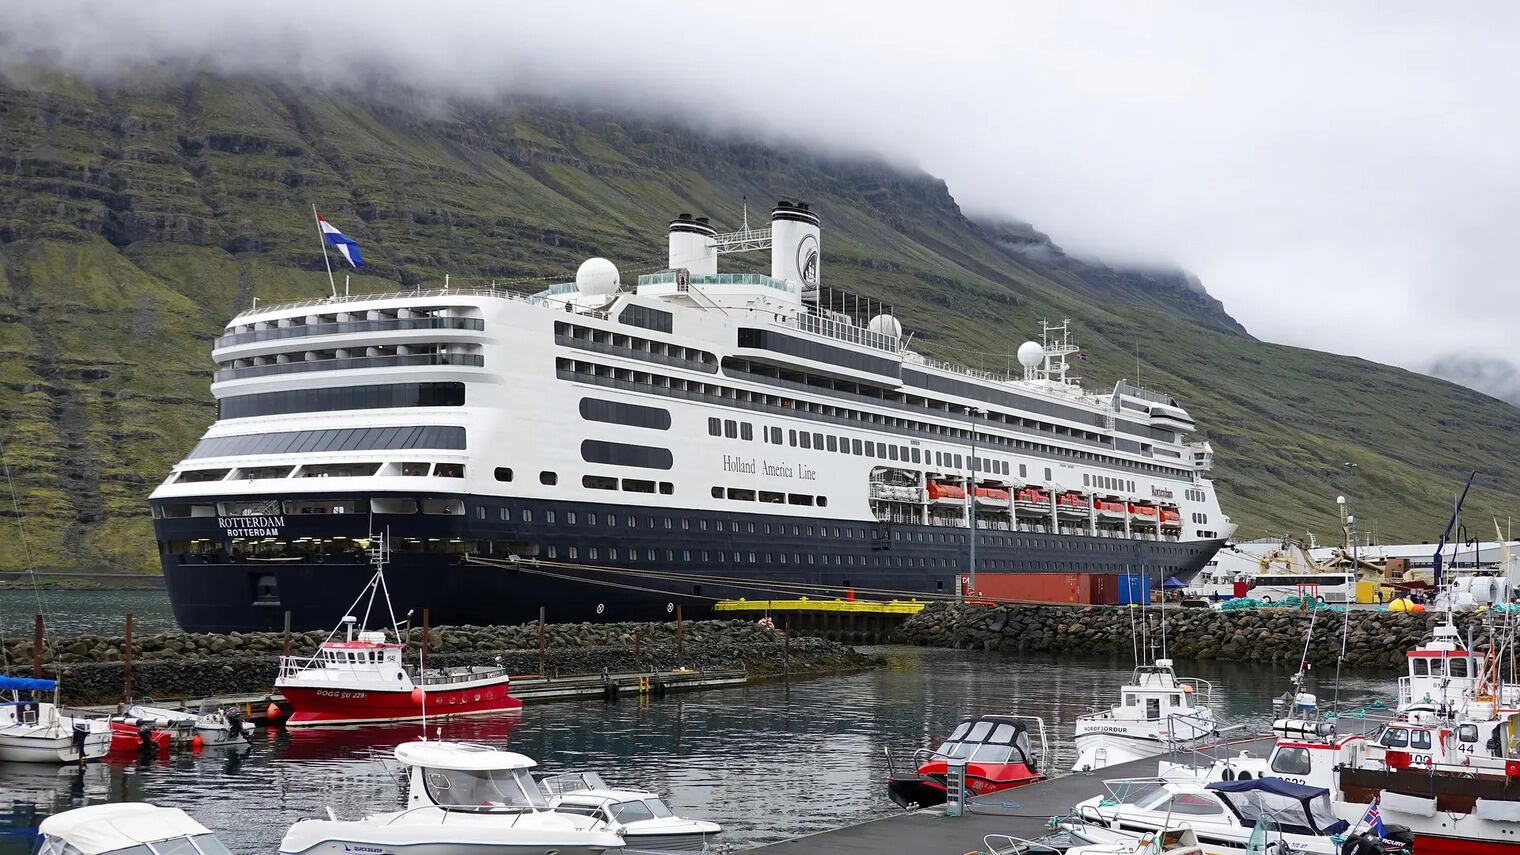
(1325, 587)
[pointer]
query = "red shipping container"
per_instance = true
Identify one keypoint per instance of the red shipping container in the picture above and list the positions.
(1075, 588)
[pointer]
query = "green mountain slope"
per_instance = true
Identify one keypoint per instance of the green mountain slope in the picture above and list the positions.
(136, 218)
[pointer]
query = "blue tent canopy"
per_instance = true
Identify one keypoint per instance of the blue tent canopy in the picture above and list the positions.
(24, 683)
(1171, 582)
(1270, 784)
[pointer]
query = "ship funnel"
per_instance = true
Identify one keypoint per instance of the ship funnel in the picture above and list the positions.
(794, 243)
(692, 246)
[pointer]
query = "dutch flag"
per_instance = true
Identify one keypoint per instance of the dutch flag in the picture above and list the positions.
(342, 242)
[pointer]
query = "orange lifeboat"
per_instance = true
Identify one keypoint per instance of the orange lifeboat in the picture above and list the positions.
(1170, 516)
(1032, 496)
(1143, 511)
(1072, 503)
(992, 496)
(1109, 508)
(946, 493)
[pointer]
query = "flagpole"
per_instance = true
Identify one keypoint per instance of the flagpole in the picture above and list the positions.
(331, 282)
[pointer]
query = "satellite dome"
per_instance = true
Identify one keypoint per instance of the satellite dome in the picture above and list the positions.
(597, 277)
(886, 325)
(1031, 354)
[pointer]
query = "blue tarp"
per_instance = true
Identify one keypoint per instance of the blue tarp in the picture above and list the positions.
(25, 683)
(1172, 582)
(1272, 785)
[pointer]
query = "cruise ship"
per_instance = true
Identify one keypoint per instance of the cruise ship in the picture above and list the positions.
(612, 450)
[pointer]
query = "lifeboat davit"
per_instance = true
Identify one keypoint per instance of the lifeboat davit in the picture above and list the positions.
(997, 752)
(992, 497)
(947, 493)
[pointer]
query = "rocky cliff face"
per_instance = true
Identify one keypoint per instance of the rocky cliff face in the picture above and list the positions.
(137, 217)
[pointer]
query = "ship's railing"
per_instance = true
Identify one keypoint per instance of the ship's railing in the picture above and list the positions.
(345, 327)
(851, 333)
(543, 299)
(474, 360)
(953, 368)
(447, 676)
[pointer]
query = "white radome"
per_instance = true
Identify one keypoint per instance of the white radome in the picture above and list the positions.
(886, 325)
(597, 277)
(1031, 354)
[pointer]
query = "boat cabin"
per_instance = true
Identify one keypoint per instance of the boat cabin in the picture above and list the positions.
(1424, 742)
(1154, 692)
(369, 657)
(1442, 673)
(990, 740)
(126, 828)
(466, 777)
(1309, 752)
(1292, 808)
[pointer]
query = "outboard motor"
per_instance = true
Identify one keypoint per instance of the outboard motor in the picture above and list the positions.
(145, 735)
(235, 724)
(80, 734)
(1395, 840)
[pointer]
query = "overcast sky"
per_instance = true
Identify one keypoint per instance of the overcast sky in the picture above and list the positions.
(1343, 176)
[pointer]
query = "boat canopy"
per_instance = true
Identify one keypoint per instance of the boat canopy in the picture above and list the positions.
(991, 739)
(98, 829)
(1295, 808)
(462, 756)
(21, 684)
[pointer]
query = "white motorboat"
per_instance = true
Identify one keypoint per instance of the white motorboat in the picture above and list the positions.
(41, 732)
(126, 828)
(459, 796)
(1157, 712)
(1228, 816)
(646, 821)
(213, 725)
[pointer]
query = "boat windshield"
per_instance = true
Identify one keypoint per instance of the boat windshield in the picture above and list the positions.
(492, 788)
(638, 810)
(1294, 815)
(986, 742)
(198, 844)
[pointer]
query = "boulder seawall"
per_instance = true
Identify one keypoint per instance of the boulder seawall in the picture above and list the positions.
(1374, 640)
(189, 665)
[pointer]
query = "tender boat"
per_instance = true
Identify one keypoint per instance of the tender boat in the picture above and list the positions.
(645, 820)
(214, 726)
(126, 828)
(995, 750)
(362, 680)
(1157, 712)
(459, 797)
(41, 732)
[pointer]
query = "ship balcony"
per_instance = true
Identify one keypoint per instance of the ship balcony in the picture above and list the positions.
(276, 337)
(352, 358)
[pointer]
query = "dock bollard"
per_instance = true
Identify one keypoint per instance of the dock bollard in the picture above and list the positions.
(955, 786)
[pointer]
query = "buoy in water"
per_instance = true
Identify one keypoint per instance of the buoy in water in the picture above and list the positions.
(274, 712)
(196, 742)
(417, 695)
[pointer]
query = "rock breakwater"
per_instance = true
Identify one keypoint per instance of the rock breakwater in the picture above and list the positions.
(187, 665)
(1376, 639)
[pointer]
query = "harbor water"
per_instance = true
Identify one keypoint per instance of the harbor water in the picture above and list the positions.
(769, 761)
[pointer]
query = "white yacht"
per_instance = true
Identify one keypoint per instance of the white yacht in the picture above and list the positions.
(126, 828)
(1157, 712)
(644, 818)
(460, 796)
(612, 448)
(42, 732)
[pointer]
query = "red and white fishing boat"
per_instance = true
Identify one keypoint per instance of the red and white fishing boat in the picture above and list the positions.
(364, 679)
(995, 749)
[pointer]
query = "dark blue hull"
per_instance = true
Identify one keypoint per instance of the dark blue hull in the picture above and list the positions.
(225, 574)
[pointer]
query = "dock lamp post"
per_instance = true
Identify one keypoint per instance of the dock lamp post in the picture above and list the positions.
(974, 413)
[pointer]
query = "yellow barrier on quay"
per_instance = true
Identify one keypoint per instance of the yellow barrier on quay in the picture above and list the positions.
(876, 607)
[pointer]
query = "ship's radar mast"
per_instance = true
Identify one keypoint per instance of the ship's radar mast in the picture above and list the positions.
(1050, 355)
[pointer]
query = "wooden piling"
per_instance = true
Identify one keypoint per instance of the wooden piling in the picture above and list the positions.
(540, 640)
(680, 638)
(287, 634)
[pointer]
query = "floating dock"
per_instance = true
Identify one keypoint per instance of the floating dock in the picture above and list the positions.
(1021, 812)
(528, 689)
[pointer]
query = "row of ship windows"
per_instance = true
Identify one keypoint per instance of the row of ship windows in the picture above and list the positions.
(634, 347)
(1103, 482)
(769, 497)
(1195, 495)
(733, 429)
(1200, 519)
(659, 384)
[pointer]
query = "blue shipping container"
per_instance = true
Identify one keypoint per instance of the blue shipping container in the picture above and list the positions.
(1134, 589)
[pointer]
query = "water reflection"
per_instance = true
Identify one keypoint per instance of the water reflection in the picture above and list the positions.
(768, 761)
